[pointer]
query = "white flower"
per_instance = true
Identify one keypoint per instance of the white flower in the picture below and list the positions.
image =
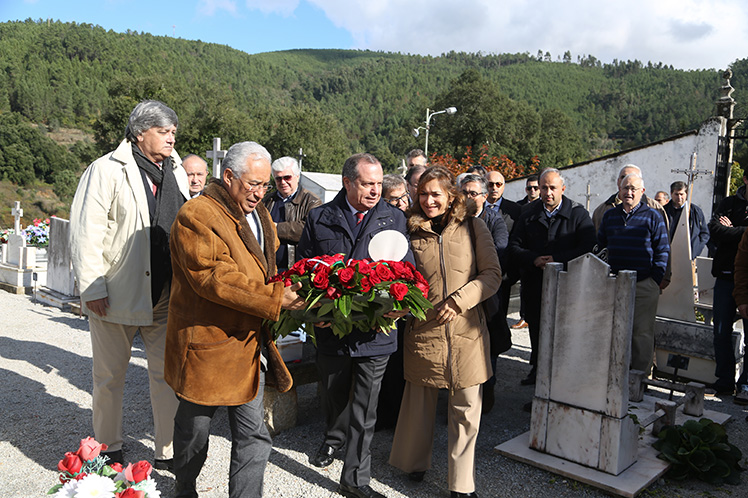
(67, 490)
(95, 486)
(149, 486)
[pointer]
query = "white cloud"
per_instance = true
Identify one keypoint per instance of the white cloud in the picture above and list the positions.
(684, 33)
(209, 7)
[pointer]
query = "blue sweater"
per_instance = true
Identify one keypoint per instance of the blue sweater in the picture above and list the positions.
(638, 243)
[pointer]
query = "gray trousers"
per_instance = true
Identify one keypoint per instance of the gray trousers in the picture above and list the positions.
(250, 446)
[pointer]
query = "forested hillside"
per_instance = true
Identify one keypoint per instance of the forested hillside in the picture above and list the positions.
(330, 102)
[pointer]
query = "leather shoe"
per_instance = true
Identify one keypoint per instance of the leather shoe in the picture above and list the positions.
(520, 324)
(114, 456)
(417, 476)
(324, 456)
(455, 494)
(362, 492)
(164, 464)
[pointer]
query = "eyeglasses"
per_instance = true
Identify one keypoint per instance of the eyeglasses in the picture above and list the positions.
(532, 187)
(495, 184)
(251, 187)
(286, 178)
(631, 189)
(394, 201)
(472, 194)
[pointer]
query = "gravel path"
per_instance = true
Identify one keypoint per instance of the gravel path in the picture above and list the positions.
(45, 402)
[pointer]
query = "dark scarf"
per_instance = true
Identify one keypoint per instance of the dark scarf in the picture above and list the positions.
(163, 211)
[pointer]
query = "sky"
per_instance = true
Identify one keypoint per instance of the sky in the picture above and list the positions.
(688, 34)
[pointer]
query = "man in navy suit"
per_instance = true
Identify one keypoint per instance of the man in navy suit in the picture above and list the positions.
(355, 363)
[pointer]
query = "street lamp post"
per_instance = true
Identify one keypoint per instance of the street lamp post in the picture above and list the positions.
(429, 115)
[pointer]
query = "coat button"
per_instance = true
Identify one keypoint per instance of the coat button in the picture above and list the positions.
(147, 274)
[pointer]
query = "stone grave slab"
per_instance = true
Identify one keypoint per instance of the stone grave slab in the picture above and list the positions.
(60, 290)
(677, 300)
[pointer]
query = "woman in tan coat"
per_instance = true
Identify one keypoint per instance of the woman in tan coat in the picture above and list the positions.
(450, 349)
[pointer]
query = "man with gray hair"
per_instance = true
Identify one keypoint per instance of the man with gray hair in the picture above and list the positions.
(223, 253)
(289, 206)
(636, 239)
(416, 157)
(395, 192)
(120, 222)
(554, 230)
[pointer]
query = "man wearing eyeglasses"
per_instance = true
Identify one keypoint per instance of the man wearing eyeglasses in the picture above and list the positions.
(395, 192)
(223, 247)
(289, 206)
(637, 240)
(533, 190)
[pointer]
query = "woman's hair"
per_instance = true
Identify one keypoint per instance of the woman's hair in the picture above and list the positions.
(446, 181)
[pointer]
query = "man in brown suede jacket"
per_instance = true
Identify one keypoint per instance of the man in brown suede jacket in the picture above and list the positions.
(223, 247)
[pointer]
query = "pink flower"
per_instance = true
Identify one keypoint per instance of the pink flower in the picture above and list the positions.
(90, 449)
(138, 472)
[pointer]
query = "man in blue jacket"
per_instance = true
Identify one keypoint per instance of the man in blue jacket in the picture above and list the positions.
(696, 222)
(356, 363)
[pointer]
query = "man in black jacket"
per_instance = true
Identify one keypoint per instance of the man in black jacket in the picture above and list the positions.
(351, 368)
(289, 206)
(556, 229)
(726, 229)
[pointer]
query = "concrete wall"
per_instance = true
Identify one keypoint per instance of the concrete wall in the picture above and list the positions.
(656, 161)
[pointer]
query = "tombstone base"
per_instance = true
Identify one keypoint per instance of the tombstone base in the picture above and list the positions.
(20, 281)
(51, 297)
(629, 483)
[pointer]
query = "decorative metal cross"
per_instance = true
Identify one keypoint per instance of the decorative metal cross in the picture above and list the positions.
(17, 213)
(692, 173)
(588, 196)
(217, 156)
(301, 156)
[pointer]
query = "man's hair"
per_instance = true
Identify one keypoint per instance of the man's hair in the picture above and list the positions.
(633, 175)
(146, 115)
(189, 156)
(415, 153)
(391, 182)
(551, 170)
(477, 169)
(675, 186)
(532, 178)
(238, 155)
(630, 166)
(413, 171)
(350, 168)
(472, 178)
(284, 163)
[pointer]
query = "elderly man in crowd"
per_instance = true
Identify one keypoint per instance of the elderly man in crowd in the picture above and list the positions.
(351, 368)
(556, 229)
(395, 192)
(120, 221)
(416, 157)
(696, 223)
(223, 246)
(197, 173)
(289, 206)
(637, 240)
(662, 197)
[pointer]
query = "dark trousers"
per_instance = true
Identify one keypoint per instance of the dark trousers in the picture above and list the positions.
(393, 384)
(724, 317)
(250, 446)
(531, 296)
(350, 391)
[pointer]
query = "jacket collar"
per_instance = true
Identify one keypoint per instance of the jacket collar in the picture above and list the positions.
(216, 191)
(538, 209)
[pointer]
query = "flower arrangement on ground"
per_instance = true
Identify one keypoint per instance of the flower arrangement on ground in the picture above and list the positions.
(36, 234)
(86, 473)
(351, 294)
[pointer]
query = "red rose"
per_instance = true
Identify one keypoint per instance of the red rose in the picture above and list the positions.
(90, 449)
(321, 279)
(81, 476)
(347, 277)
(72, 463)
(422, 284)
(116, 466)
(384, 273)
(276, 278)
(138, 472)
(333, 293)
(364, 268)
(365, 285)
(130, 493)
(401, 270)
(288, 282)
(398, 290)
(298, 268)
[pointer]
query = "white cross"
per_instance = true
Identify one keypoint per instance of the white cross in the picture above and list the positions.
(692, 173)
(217, 156)
(588, 195)
(17, 213)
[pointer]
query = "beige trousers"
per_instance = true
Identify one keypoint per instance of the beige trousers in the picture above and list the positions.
(112, 345)
(645, 311)
(414, 434)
